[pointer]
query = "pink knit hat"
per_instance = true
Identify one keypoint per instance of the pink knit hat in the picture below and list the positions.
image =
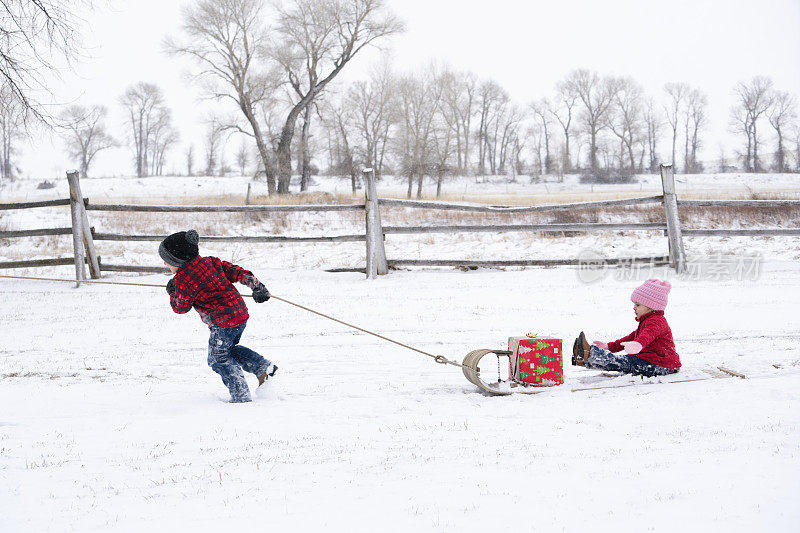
(652, 293)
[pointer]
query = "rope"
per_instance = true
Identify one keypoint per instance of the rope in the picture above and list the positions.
(438, 358)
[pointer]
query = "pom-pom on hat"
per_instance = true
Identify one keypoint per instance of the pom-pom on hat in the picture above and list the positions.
(652, 293)
(179, 248)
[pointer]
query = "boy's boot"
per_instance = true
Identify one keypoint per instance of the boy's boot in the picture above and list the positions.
(268, 373)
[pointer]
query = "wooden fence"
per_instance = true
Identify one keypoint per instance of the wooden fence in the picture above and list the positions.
(376, 262)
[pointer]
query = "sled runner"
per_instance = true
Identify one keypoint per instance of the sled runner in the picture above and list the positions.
(615, 380)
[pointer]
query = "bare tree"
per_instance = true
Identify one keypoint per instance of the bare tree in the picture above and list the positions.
(304, 156)
(755, 98)
(722, 160)
(782, 113)
(676, 93)
(12, 128)
(372, 104)
(653, 121)
(214, 145)
(696, 121)
(243, 157)
(458, 107)
(508, 133)
(563, 114)
(86, 134)
(144, 103)
(227, 41)
(625, 119)
(543, 110)
(317, 39)
(596, 95)
(419, 101)
(189, 154)
(35, 36)
(740, 122)
(344, 122)
(534, 136)
(163, 137)
(797, 147)
(491, 101)
(444, 146)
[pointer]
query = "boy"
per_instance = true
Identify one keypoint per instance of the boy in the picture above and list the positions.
(206, 283)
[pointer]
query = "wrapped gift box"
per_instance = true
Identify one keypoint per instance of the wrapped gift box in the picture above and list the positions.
(536, 360)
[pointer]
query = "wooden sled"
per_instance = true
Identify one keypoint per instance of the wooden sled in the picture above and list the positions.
(506, 387)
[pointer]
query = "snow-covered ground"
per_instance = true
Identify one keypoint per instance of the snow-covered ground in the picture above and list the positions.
(111, 419)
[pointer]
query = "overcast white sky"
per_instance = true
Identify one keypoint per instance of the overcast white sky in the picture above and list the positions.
(525, 46)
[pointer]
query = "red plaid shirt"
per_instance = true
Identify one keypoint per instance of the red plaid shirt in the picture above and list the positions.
(206, 283)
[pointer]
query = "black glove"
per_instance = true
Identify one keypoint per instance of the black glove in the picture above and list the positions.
(260, 293)
(171, 286)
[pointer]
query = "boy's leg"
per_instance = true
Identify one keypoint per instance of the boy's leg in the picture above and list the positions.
(222, 361)
(248, 359)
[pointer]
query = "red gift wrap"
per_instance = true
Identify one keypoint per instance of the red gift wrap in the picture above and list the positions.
(536, 360)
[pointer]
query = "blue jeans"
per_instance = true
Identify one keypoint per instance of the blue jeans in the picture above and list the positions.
(621, 362)
(227, 358)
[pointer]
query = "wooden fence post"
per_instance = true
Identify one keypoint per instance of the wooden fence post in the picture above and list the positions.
(86, 228)
(677, 257)
(77, 231)
(376, 252)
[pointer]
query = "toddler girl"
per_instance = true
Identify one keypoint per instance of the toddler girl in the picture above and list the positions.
(648, 351)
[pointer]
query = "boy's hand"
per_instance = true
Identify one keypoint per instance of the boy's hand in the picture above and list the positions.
(601, 345)
(171, 286)
(260, 293)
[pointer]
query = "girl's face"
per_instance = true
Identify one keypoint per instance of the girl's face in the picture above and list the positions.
(172, 269)
(640, 309)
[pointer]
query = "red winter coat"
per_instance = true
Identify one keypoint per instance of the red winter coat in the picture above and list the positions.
(655, 337)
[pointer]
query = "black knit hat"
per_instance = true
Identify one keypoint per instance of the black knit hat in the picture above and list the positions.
(179, 248)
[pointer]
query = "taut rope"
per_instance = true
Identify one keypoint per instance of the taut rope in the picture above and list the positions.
(438, 358)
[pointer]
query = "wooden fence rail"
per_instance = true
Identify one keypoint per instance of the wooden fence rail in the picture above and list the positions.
(739, 203)
(447, 206)
(35, 232)
(550, 228)
(223, 208)
(46, 203)
(658, 260)
(235, 238)
(766, 232)
(29, 263)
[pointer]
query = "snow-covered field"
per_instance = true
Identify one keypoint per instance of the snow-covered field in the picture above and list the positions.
(176, 188)
(111, 419)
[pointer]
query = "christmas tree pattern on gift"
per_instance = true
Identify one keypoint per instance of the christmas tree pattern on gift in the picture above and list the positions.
(542, 362)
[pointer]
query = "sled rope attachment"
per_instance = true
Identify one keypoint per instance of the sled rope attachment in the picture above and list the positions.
(438, 358)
